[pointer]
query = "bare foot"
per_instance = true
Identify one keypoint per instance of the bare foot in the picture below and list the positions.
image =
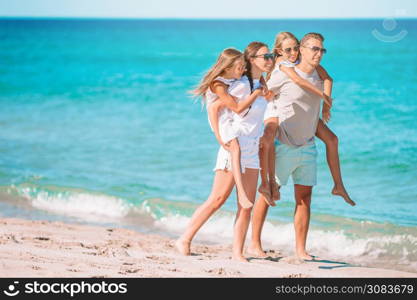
(264, 190)
(340, 191)
(183, 246)
(256, 252)
(245, 202)
(239, 257)
(304, 256)
(276, 195)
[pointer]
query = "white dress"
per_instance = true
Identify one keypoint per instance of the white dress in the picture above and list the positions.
(249, 126)
(228, 129)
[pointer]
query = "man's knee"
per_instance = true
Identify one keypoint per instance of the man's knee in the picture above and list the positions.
(303, 199)
(303, 196)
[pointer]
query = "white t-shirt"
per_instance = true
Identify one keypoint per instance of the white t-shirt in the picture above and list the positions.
(298, 110)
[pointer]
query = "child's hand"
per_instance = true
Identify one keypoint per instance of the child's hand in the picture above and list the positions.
(225, 146)
(269, 95)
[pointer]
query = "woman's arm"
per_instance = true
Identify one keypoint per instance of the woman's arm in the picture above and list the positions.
(213, 113)
(220, 89)
(303, 83)
(268, 94)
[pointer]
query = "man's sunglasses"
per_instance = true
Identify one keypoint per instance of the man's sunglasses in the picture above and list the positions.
(266, 56)
(317, 49)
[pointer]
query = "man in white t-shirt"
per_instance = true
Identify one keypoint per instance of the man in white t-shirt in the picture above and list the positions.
(296, 154)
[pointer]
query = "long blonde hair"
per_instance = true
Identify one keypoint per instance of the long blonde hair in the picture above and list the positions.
(279, 39)
(225, 60)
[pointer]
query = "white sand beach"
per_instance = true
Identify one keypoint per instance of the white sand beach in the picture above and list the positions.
(55, 249)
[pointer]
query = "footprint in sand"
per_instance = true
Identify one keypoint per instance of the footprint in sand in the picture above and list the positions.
(292, 260)
(112, 252)
(299, 275)
(161, 259)
(223, 271)
(174, 270)
(132, 270)
(73, 270)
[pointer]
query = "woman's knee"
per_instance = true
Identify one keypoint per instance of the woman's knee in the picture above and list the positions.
(216, 201)
(246, 211)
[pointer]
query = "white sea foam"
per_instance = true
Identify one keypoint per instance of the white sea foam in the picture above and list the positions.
(327, 244)
(361, 247)
(90, 207)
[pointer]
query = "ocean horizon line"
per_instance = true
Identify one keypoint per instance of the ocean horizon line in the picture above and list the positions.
(59, 18)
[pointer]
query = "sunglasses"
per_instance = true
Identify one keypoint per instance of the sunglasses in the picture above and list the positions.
(317, 49)
(266, 56)
(288, 50)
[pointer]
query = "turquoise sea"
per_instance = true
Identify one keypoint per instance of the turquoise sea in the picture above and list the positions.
(96, 127)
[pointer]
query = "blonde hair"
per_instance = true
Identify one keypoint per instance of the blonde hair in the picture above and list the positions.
(279, 39)
(312, 35)
(225, 60)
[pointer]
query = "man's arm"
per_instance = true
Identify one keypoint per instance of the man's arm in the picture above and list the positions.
(303, 83)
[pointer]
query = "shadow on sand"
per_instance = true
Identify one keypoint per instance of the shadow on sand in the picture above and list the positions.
(338, 264)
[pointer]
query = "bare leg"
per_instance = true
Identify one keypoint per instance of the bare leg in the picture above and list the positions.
(222, 187)
(267, 143)
(302, 219)
(237, 174)
(260, 211)
(250, 180)
(273, 183)
(332, 154)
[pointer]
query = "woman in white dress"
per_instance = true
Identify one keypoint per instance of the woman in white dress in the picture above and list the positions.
(258, 60)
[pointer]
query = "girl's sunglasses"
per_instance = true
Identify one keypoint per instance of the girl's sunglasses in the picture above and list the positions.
(266, 56)
(288, 50)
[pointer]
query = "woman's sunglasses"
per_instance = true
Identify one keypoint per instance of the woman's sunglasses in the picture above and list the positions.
(266, 56)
